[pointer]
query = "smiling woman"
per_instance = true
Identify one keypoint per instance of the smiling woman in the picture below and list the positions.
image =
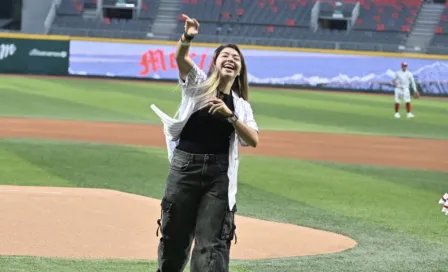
(200, 195)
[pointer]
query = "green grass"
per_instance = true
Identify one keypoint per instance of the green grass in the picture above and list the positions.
(392, 213)
(274, 109)
(32, 264)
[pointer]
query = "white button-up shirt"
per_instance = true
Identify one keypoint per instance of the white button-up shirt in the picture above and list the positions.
(405, 79)
(190, 103)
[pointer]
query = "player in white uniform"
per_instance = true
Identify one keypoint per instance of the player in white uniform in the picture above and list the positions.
(444, 202)
(402, 80)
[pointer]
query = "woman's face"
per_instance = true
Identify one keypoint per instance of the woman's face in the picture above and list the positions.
(228, 63)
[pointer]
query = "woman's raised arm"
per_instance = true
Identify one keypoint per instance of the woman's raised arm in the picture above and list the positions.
(184, 62)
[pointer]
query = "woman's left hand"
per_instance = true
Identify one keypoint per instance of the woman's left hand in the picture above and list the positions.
(217, 106)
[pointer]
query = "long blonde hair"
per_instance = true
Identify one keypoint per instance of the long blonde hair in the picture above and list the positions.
(209, 87)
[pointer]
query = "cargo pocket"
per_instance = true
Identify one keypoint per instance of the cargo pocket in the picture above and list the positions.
(229, 227)
(164, 222)
(212, 263)
(179, 164)
(223, 165)
(219, 260)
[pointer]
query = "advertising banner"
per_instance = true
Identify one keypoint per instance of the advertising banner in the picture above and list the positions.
(305, 69)
(28, 56)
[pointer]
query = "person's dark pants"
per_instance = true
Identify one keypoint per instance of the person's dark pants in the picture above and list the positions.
(195, 205)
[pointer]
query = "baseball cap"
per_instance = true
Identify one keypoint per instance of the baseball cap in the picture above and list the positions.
(404, 63)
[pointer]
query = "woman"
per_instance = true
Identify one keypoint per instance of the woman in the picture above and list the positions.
(199, 200)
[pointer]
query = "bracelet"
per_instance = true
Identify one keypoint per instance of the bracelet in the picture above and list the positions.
(184, 43)
(188, 37)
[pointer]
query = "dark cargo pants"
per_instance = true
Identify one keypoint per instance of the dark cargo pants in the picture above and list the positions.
(195, 205)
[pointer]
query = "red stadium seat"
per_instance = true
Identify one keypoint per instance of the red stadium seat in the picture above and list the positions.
(226, 14)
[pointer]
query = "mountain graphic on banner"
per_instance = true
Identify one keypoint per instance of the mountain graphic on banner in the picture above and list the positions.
(425, 74)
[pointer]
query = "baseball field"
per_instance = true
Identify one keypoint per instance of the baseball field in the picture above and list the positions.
(336, 184)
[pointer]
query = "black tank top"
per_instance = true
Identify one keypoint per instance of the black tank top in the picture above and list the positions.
(205, 133)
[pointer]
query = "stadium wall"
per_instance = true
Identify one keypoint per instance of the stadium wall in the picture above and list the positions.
(268, 66)
(31, 55)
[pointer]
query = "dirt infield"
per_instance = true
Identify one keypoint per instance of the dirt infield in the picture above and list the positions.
(383, 151)
(83, 223)
(97, 223)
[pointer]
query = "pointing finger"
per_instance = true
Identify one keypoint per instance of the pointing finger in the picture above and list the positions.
(215, 100)
(216, 109)
(212, 108)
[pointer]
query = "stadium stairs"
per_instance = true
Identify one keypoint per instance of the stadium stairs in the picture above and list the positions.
(166, 19)
(423, 31)
(34, 14)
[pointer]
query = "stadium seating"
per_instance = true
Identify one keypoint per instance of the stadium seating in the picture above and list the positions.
(266, 12)
(70, 8)
(388, 15)
(69, 20)
(439, 42)
(381, 21)
(131, 29)
(149, 9)
(380, 15)
(381, 25)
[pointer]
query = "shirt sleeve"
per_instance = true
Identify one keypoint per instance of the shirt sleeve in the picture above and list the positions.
(411, 76)
(193, 78)
(249, 120)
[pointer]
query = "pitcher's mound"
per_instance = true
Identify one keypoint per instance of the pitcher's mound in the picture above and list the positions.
(97, 223)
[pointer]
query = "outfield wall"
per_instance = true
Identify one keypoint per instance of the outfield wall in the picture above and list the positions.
(34, 56)
(269, 66)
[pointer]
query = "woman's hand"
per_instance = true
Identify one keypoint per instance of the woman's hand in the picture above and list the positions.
(217, 106)
(184, 62)
(191, 25)
(249, 135)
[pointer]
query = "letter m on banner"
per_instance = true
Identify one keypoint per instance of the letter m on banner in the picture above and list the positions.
(153, 61)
